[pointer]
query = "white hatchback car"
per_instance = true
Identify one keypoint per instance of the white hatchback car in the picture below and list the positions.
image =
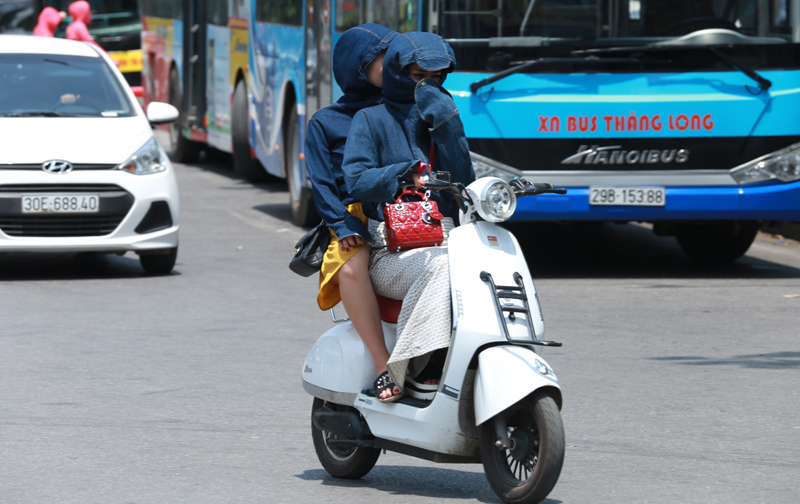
(80, 169)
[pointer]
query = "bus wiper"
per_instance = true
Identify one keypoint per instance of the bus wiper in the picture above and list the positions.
(763, 83)
(475, 86)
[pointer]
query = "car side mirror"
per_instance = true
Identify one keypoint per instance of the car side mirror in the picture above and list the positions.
(161, 113)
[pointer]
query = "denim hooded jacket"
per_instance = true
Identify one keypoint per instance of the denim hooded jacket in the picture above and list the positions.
(328, 128)
(387, 141)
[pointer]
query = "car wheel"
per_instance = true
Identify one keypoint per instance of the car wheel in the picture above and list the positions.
(159, 262)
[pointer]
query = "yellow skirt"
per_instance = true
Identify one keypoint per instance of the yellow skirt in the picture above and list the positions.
(329, 296)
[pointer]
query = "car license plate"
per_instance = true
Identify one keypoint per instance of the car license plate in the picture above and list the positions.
(630, 196)
(60, 203)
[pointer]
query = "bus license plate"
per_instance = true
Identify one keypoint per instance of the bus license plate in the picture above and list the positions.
(630, 196)
(60, 203)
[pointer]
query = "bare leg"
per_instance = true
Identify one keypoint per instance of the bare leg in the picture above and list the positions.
(361, 304)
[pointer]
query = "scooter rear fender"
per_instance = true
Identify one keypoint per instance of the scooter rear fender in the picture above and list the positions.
(507, 374)
(339, 366)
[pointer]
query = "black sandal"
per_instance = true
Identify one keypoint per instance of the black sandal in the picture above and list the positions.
(382, 382)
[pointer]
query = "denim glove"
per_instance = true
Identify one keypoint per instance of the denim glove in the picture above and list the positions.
(435, 104)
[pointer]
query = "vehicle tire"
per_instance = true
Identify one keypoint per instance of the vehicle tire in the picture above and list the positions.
(528, 471)
(243, 163)
(159, 264)
(341, 462)
(722, 242)
(183, 149)
(304, 213)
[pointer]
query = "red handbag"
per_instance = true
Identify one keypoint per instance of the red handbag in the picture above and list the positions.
(412, 224)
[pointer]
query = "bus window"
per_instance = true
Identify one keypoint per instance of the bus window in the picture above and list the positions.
(401, 16)
(167, 9)
(218, 12)
(284, 12)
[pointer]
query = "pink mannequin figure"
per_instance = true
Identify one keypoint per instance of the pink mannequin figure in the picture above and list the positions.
(81, 16)
(49, 19)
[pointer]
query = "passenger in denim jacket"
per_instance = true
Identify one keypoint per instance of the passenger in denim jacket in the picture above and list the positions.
(387, 143)
(386, 148)
(357, 67)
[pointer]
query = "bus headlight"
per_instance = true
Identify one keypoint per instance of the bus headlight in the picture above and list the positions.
(494, 199)
(150, 158)
(783, 165)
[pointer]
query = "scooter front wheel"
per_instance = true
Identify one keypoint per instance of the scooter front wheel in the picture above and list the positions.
(349, 462)
(527, 468)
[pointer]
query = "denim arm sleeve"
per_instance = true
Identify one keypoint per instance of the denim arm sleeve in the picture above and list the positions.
(436, 107)
(323, 186)
(366, 179)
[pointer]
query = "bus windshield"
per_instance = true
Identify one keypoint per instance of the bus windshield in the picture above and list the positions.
(526, 29)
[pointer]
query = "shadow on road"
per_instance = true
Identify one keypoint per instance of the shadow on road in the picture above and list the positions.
(606, 250)
(430, 482)
(774, 360)
(70, 266)
(221, 163)
(278, 210)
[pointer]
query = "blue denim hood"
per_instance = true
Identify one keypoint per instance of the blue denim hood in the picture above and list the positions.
(428, 50)
(355, 50)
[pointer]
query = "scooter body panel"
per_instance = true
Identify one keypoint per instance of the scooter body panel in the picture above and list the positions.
(473, 248)
(434, 428)
(506, 375)
(483, 246)
(340, 363)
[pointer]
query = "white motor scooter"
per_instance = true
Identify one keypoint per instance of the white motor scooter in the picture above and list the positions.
(498, 402)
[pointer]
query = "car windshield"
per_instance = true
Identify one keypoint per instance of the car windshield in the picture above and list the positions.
(59, 85)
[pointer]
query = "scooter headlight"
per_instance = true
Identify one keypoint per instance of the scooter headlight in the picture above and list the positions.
(783, 165)
(495, 199)
(150, 158)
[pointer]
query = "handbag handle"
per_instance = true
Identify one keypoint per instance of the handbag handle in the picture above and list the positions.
(413, 192)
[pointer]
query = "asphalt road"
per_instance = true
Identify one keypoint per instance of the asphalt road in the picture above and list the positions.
(680, 382)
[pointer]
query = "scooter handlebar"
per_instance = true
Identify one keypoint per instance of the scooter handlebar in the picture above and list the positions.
(524, 188)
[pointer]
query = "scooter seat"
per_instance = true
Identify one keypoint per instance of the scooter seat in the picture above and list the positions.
(389, 308)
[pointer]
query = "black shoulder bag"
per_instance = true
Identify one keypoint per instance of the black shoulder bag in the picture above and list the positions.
(310, 250)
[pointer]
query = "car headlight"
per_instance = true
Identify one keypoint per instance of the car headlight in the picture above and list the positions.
(494, 199)
(783, 165)
(150, 158)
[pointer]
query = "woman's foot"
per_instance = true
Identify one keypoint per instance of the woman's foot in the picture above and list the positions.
(385, 388)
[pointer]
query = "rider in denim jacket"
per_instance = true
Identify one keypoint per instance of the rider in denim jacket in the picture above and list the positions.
(387, 143)
(328, 128)
(344, 275)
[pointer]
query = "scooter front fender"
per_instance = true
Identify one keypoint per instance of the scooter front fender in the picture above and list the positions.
(507, 374)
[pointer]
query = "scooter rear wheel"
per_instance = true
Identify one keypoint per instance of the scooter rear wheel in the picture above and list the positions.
(527, 471)
(348, 462)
